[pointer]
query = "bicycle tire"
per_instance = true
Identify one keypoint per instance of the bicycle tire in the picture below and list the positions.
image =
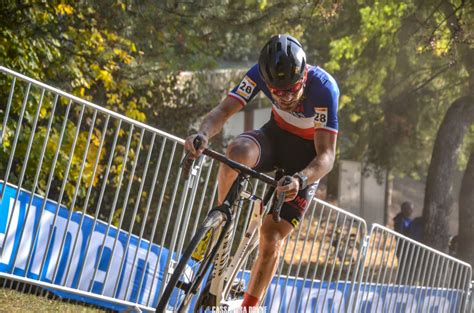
(212, 221)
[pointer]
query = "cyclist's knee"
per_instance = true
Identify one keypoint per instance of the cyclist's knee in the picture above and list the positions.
(243, 150)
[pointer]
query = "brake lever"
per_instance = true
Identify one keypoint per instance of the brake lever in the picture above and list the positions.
(187, 163)
(280, 200)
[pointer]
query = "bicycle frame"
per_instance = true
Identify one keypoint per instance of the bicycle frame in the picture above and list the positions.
(248, 243)
(226, 267)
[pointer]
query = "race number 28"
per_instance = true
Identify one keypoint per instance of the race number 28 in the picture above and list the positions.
(246, 87)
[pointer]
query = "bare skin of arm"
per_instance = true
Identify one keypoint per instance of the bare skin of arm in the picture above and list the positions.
(213, 123)
(325, 145)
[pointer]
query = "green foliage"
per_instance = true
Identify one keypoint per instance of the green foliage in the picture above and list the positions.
(397, 64)
(63, 43)
(399, 76)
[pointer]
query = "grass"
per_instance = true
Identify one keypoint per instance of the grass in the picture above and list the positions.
(15, 301)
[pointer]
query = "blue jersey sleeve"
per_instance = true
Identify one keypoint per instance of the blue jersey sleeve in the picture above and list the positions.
(327, 104)
(248, 87)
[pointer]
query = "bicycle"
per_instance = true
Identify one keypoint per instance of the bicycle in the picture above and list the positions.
(211, 245)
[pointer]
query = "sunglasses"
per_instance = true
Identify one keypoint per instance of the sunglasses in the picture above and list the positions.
(283, 92)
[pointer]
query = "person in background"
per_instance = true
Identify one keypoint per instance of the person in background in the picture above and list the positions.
(402, 222)
(403, 225)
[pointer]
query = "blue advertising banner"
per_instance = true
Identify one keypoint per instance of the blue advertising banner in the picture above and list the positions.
(116, 264)
(77, 264)
(298, 295)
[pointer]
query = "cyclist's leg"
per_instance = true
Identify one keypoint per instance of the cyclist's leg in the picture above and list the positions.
(272, 236)
(246, 149)
(291, 153)
(242, 150)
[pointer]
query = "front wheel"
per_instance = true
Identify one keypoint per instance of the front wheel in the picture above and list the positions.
(192, 267)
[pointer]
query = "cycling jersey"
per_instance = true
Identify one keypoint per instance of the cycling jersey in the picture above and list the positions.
(316, 111)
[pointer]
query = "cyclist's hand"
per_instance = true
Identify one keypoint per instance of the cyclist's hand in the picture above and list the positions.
(290, 189)
(189, 145)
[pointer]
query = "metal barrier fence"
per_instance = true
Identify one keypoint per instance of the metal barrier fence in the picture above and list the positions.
(403, 275)
(471, 298)
(323, 256)
(92, 204)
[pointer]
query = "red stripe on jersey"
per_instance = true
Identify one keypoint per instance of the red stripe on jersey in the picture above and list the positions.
(242, 102)
(306, 133)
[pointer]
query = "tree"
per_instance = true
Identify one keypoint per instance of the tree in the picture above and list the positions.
(399, 64)
(466, 214)
(439, 183)
(84, 48)
(66, 46)
(460, 116)
(399, 73)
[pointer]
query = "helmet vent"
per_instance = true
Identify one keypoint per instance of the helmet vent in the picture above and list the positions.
(294, 41)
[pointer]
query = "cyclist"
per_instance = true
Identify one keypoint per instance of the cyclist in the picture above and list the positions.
(299, 138)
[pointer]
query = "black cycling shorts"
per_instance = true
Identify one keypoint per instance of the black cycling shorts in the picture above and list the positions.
(282, 150)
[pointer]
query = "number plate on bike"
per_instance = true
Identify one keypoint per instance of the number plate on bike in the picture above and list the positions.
(201, 249)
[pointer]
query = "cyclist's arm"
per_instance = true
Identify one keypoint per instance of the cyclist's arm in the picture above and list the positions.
(325, 144)
(213, 123)
(214, 120)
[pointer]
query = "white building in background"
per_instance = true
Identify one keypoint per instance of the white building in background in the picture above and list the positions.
(361, 193)
(246, 120)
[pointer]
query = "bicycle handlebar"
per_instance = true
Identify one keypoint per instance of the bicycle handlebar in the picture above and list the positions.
(187, 163)
(240, 167)
(222, 158)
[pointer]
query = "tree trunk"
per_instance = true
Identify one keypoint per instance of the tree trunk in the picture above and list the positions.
(466, 215)
(439, 184)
